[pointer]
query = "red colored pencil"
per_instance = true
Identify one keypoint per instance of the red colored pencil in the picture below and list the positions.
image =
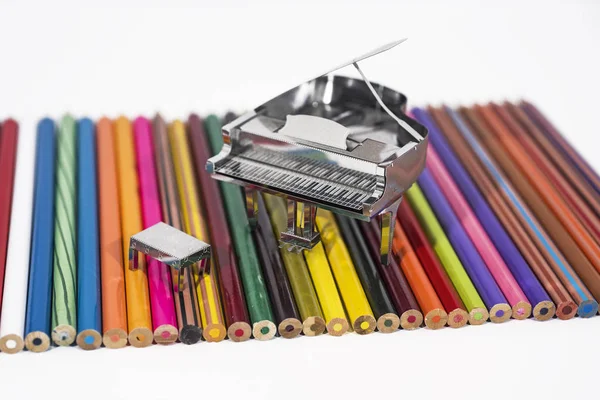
(457, 315)
(8, 155)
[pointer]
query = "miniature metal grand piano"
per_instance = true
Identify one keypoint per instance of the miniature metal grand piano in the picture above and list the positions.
(331, 142)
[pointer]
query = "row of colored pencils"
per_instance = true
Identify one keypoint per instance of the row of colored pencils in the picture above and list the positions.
(502, 223)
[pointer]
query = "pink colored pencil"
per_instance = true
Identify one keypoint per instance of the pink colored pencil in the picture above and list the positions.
(504, 278)
(164, 319)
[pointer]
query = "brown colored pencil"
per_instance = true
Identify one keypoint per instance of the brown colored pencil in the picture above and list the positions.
(398, 287)
(565, 157)
(504, 125)
(580, 208)
(114, 305)
(186, 297)
(565, 306)
(585, 270)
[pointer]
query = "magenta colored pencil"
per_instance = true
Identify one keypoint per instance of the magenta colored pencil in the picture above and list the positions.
(485, 284)
(493, 260)
(164, 319)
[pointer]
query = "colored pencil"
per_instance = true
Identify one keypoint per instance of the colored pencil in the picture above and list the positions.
(12, 314)
(139, 318)
(39, 291)
(289, 324)
(504, 260)
(257, 298)
(366, 268)
(453, 305)
(504, 125)
(521, 308)
(327, 292)
(478, 313)
(89, 301)
(164, 320)
(395, 281)
(483, 280)
(189, 320)
(584, 213)
(586, 272)
(232, 293)
(435, 315)
(297, 271)
(8, 154)
(353, 294)
(544, 268)
(195, 224)
(64, 304)
(114, 306)
(591, 181)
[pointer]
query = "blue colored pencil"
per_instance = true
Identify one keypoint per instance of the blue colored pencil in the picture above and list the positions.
(483, 280)
(89, 302)
(39, 293)
(506, 247)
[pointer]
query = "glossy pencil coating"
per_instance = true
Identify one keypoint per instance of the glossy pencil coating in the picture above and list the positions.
(327, 292)
(435, 315)
(503, 126)
(164, 320)
(560, 143)
(89, 302)
(64, 304)
(396, 283)
(471, 260)
(297, 271)
(14, 266)
(366, 268)
(114, 306)
(139, 319)
(564, 305)
(187, 305)
(39, 292)
(577, 260)
(457, 315)
(257, 298)
(230, 284)
(353, 294)
(195, 224)
(478, 314)
(289, 322)
(501, 255)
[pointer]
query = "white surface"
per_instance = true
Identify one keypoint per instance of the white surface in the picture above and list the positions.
(176, 59)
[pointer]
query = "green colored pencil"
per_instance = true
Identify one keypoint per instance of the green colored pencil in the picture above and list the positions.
(478, 314)
(257, 297)
(297, 271)
(64, 310)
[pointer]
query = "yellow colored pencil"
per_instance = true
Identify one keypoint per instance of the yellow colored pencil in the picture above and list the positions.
(139, 320)
(213, 324)
(353, 294)
(327, 292)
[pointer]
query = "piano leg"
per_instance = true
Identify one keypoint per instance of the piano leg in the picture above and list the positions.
(251, 205)
(386, 223)
(133, 259)
(301, 226)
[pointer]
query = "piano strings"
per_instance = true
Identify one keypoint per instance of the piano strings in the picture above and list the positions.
(481, 236)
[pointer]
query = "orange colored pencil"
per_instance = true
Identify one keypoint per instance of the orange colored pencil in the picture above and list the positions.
(504, 125)
(114, 307)
(435, 315)
(139, 319)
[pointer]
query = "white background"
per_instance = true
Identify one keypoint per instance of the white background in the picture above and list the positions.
(176, 57)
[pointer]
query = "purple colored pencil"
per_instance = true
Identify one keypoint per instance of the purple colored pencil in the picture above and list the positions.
(481, 277)
(495, 230)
